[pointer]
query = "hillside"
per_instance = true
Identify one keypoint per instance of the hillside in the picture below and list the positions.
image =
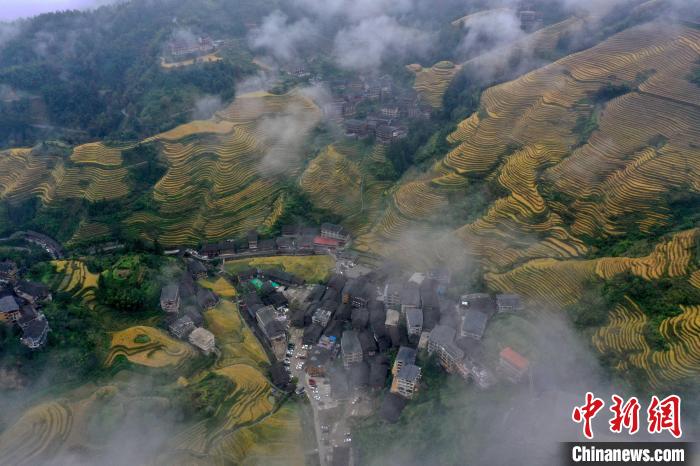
(587, 156)
(205, 179)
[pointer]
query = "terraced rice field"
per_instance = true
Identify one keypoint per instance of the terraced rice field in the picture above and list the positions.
(219, 182)
(431, 83)
(522, 140)
(220, 286)
(333, 182)
(313, 269)
(252, 395)
(277, 440)
(158, 350)
(37, 435)
(24, 175)
(77, 280)
(669, 259)
(99, 154)
(623, 337)
(89, 231)
(236, 341)
(217, 185)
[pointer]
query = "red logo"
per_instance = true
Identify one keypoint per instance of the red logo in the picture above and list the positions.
(662, 415)
(587, 412)
(625, 415)
(665, 415)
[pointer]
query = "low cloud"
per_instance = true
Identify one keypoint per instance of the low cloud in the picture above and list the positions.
(355, 9)
(365, 45)
(284, 133)
(281, 38)
(490, 30)
(206, 106)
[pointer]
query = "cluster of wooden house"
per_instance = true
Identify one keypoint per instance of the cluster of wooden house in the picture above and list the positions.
(181, 48)
(20, 304)
(393, 108)
(184, 301)
(458, 349)
(267, 305)
(293, 240)
(359, 321)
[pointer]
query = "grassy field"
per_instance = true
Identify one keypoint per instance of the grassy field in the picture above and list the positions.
(313, 269)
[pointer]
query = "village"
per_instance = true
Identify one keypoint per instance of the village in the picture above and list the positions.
(20, 305)
(342, 342)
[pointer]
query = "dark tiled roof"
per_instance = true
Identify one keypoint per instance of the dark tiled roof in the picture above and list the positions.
(350, 343)
(316, 293)
(358, 374)
(406, 355)
(312, 334)
(378, 372)
(206, 298)
(414, 317)
(409, 372)
(360, 318)
(195, 267)
(337, 282)
(474, 322)
(36, 328)
(8, 304)
(367, 342)
(169, 293)
(442, 335)
(410, 296)
(35, 289)
(274, 329)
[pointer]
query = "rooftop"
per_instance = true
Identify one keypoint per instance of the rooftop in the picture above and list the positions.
(266, 315)
(392, 317)
(8, 304)
(334, 228)
(410, 296)
(442, 335)
(318, 356)
(195, 266)
(511, 356)
(206, 297)
(202, 338)
(35, 289)
(474, 322)
(36, 328)
(323, 241)
(409, 372)
(406, 355)
(169, 293)
(350, 343)
(414, 317)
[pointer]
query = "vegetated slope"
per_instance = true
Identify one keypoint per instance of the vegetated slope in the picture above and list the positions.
(221, 184)
(596, 148)
(221, 175)
(431, 83)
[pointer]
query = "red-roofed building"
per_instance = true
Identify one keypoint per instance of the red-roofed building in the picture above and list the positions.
(323, 244)
(513, 364)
